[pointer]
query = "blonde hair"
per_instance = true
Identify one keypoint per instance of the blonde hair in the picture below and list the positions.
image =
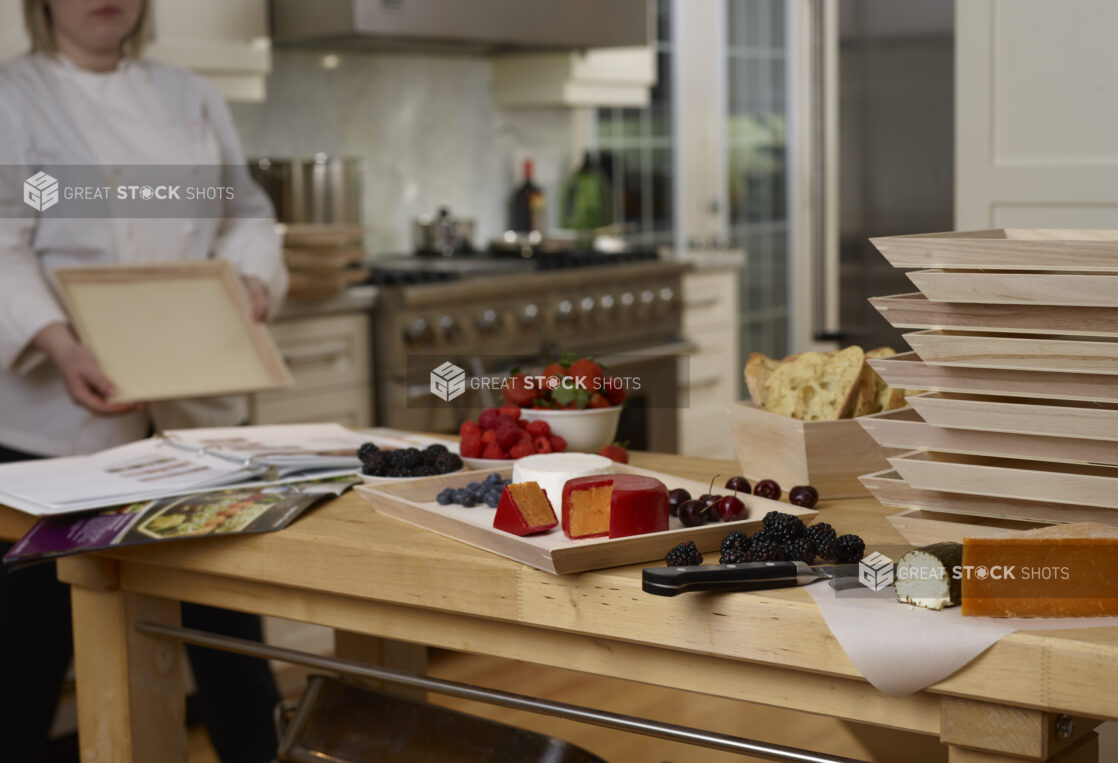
(40, 29)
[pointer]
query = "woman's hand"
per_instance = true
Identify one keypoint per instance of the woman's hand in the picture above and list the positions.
(258, 296)
(85, 382)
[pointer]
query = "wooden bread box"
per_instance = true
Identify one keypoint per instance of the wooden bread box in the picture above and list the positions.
(829, 455)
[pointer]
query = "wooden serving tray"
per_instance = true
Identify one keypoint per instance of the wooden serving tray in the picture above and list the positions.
(1005, 249)
(1018, 288)
(1077, 484)
(1022, 352)
(890, 489)
(906, 429)
(922, 528)
(915, 311)
(413, 501)
(1058, 418)
(908, 371)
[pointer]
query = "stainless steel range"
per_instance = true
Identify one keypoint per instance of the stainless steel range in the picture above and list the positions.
(488, 314)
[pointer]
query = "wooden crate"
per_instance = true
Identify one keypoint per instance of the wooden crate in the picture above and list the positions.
(1021, 352)
(1018, 288)
(1045, 249)
(915, 311)
(829, 455)
(922, 528)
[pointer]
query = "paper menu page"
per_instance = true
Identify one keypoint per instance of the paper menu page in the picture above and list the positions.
(138, 468)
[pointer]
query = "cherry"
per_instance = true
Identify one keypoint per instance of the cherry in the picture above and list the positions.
(738, 484)
(767, 489)
(691, 513)
(731, 508)
(676, 498)
(803, 495)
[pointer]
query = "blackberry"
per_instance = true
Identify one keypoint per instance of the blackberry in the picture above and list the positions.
(735, 540)
(435, 448)
(847, 549)
(366, 451)
(447, 462)
(821, 534)
(372, 470)
(765, 551)
(763, 536)
(734, 556)
(800, 550)
(684, 555)
(782, 528)
(406, 458)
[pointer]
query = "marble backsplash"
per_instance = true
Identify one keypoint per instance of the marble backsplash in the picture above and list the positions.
(425, 126)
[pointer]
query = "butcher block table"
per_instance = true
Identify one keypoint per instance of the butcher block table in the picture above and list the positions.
(378, 581)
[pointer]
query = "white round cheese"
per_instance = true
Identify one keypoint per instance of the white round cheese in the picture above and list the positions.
(552, 470)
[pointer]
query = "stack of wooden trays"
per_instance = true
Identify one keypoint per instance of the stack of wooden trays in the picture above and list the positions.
(319, 258)
(1016, 344)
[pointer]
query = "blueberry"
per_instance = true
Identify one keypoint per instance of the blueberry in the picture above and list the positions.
(473, 486)
(445, 498)
(492, 501)
(469, 502)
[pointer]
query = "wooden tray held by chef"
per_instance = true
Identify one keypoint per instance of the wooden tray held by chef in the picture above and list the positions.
(171, 331)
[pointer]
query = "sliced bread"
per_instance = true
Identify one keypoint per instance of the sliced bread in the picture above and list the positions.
(816, 386)
(757, 370)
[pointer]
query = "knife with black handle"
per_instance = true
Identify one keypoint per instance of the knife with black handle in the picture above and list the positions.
(749, 576)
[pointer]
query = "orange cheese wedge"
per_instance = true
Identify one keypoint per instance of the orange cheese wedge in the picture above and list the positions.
(1059, 571)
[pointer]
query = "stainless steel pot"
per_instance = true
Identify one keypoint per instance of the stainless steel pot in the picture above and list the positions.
(442, 234)
(319, 189)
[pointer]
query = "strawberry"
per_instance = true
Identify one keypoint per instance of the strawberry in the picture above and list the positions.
(558, 444)
(615, 452)
(555, 369)
(489, 418)
(507, 435)
(543, 445)
(598, 400)
(588, 372)
(488, 436)
(522, 449)
(538, 428)
(494, 451)
(517, 391)
(542, 402)
(469, 427)
(471, 445)
(614, 390)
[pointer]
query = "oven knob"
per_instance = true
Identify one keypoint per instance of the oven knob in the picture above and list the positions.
(667, 294)
(488, 321)
(449, 328)
(627, 299)
(606, 302)
(564, 310)
(647, 297)
(418, 332)
(529, 314)
(587, 304)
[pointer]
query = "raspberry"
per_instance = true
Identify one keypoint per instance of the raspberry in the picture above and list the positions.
(507, 435)
(471, 446)
(494, 451)
(510, 412)
(542, 444)
(522, 449)
(469, 427)
(558, 444)
(538, 428)
(488, 436)
(489, 418)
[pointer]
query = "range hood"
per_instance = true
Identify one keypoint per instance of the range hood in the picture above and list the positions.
(461, 26)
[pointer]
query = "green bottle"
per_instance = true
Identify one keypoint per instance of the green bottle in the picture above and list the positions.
(587, 201)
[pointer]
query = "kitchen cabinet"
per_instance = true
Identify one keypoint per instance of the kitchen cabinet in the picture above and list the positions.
(226, 42)
(329, 358)
(603, 77)
(709, 378)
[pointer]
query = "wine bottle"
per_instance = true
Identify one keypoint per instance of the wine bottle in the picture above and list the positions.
(529, 204)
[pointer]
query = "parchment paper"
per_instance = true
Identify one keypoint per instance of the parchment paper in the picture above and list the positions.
(901, 649)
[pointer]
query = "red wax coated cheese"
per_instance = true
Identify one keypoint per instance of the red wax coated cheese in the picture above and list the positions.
(524, 510)
(617, 505)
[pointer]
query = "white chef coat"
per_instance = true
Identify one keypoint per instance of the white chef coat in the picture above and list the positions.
(142, 113)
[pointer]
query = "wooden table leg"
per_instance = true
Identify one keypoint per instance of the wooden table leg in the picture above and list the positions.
(130, 688)
(374, 650)
(981, 732)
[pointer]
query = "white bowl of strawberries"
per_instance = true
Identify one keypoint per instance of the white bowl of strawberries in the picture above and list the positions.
(576, 399)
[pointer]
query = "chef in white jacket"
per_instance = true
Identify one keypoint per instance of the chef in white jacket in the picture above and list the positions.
(85, 97)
